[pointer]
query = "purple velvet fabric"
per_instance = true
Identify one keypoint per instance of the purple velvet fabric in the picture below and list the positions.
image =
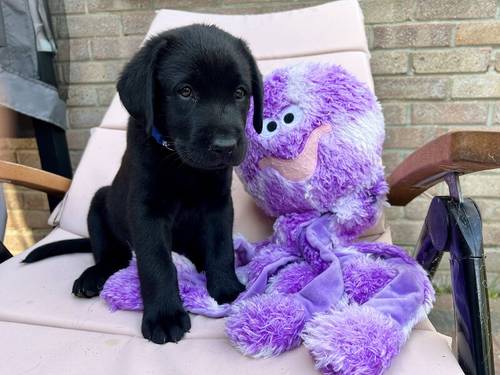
(352, 304)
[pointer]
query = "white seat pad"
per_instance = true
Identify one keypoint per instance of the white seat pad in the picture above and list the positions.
(62, 334)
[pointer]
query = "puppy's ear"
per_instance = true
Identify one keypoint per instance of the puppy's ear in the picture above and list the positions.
(257, 90)
(136, 85)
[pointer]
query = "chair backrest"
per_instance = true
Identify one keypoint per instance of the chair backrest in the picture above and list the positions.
(332, 32)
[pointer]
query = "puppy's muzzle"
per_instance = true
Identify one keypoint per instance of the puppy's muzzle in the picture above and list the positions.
(223, 147)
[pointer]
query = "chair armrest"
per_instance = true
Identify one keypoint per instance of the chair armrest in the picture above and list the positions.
(461, 152)
(33, 178)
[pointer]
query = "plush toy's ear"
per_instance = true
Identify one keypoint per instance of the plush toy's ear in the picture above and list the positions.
(257, 90)
(136, 85)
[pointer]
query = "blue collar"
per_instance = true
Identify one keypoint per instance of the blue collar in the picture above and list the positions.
(160, 139)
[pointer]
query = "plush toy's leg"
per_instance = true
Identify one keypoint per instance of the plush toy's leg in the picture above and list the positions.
(266, 325)
(395, 294)
(270, 324)
(408, 296)
(357, 340)
(122, 290)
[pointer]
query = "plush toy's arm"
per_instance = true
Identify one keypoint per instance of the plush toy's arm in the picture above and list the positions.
(359, 211)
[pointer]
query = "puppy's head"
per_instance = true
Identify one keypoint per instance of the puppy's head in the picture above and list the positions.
(194, 84)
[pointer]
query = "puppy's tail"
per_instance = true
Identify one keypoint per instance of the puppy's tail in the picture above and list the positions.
(80, 245)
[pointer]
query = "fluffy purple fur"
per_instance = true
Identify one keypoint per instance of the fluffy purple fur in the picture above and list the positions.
(291, 279)
(121, 291)
(267, 325)
(364, 276)
(355, 341)
(325, 94)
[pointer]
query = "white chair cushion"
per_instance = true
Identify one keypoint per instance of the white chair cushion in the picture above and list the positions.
(46, 330)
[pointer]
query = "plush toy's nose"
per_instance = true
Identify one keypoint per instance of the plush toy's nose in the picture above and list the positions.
(223, 145)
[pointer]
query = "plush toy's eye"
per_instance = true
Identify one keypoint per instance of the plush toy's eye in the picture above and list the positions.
(291, 115)
(288, 118)
(270, 128)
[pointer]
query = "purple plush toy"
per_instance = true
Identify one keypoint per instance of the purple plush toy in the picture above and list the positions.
(315, 166)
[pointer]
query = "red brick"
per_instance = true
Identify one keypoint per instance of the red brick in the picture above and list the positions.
(85, 117)
(393, 213)
(405, 232)
(410, 137)
(262, 7)
(115, 48)
(481, 185)
(66, 6)
(193, 4)
(496, 118)
(81, 96)
(137, 22)
(111, 5)
(395, 113)
(455, 9)
(105, 94)
(73, 50)
(476, 86)
(450, 113)
(36, 219)
(412, 35)
(17, 143)
(77, 139)
(391, 160)
(34, 200)
(92, 72)
(88, 25)
(411, 88)
(382, 11)
(456, 60)
(417, 209)
(478, 33)
(389, 62)
(491, 234)
(490, 209)
(29, 158)
(75, 157)
(8, 155)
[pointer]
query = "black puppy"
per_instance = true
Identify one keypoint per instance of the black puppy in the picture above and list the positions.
(188, 93)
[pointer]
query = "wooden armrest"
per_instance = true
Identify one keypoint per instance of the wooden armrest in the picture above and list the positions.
(461, 151)
(33, 178)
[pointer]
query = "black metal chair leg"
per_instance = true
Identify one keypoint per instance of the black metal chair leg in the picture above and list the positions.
(469, 288)
(454, 224)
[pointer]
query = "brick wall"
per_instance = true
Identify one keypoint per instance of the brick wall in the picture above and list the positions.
(436, 66)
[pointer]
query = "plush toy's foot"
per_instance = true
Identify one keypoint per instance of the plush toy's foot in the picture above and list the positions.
(266, 325)
(357, 340)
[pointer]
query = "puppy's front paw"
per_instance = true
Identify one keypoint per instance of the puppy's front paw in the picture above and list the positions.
(225, 291)
(161, 327)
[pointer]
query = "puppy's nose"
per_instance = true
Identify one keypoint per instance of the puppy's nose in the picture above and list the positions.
(223, 145)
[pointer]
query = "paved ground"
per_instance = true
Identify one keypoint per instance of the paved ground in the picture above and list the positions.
(442, 318)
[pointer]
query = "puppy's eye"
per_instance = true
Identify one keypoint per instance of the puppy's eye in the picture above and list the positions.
(185, 91)
(239, 93)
